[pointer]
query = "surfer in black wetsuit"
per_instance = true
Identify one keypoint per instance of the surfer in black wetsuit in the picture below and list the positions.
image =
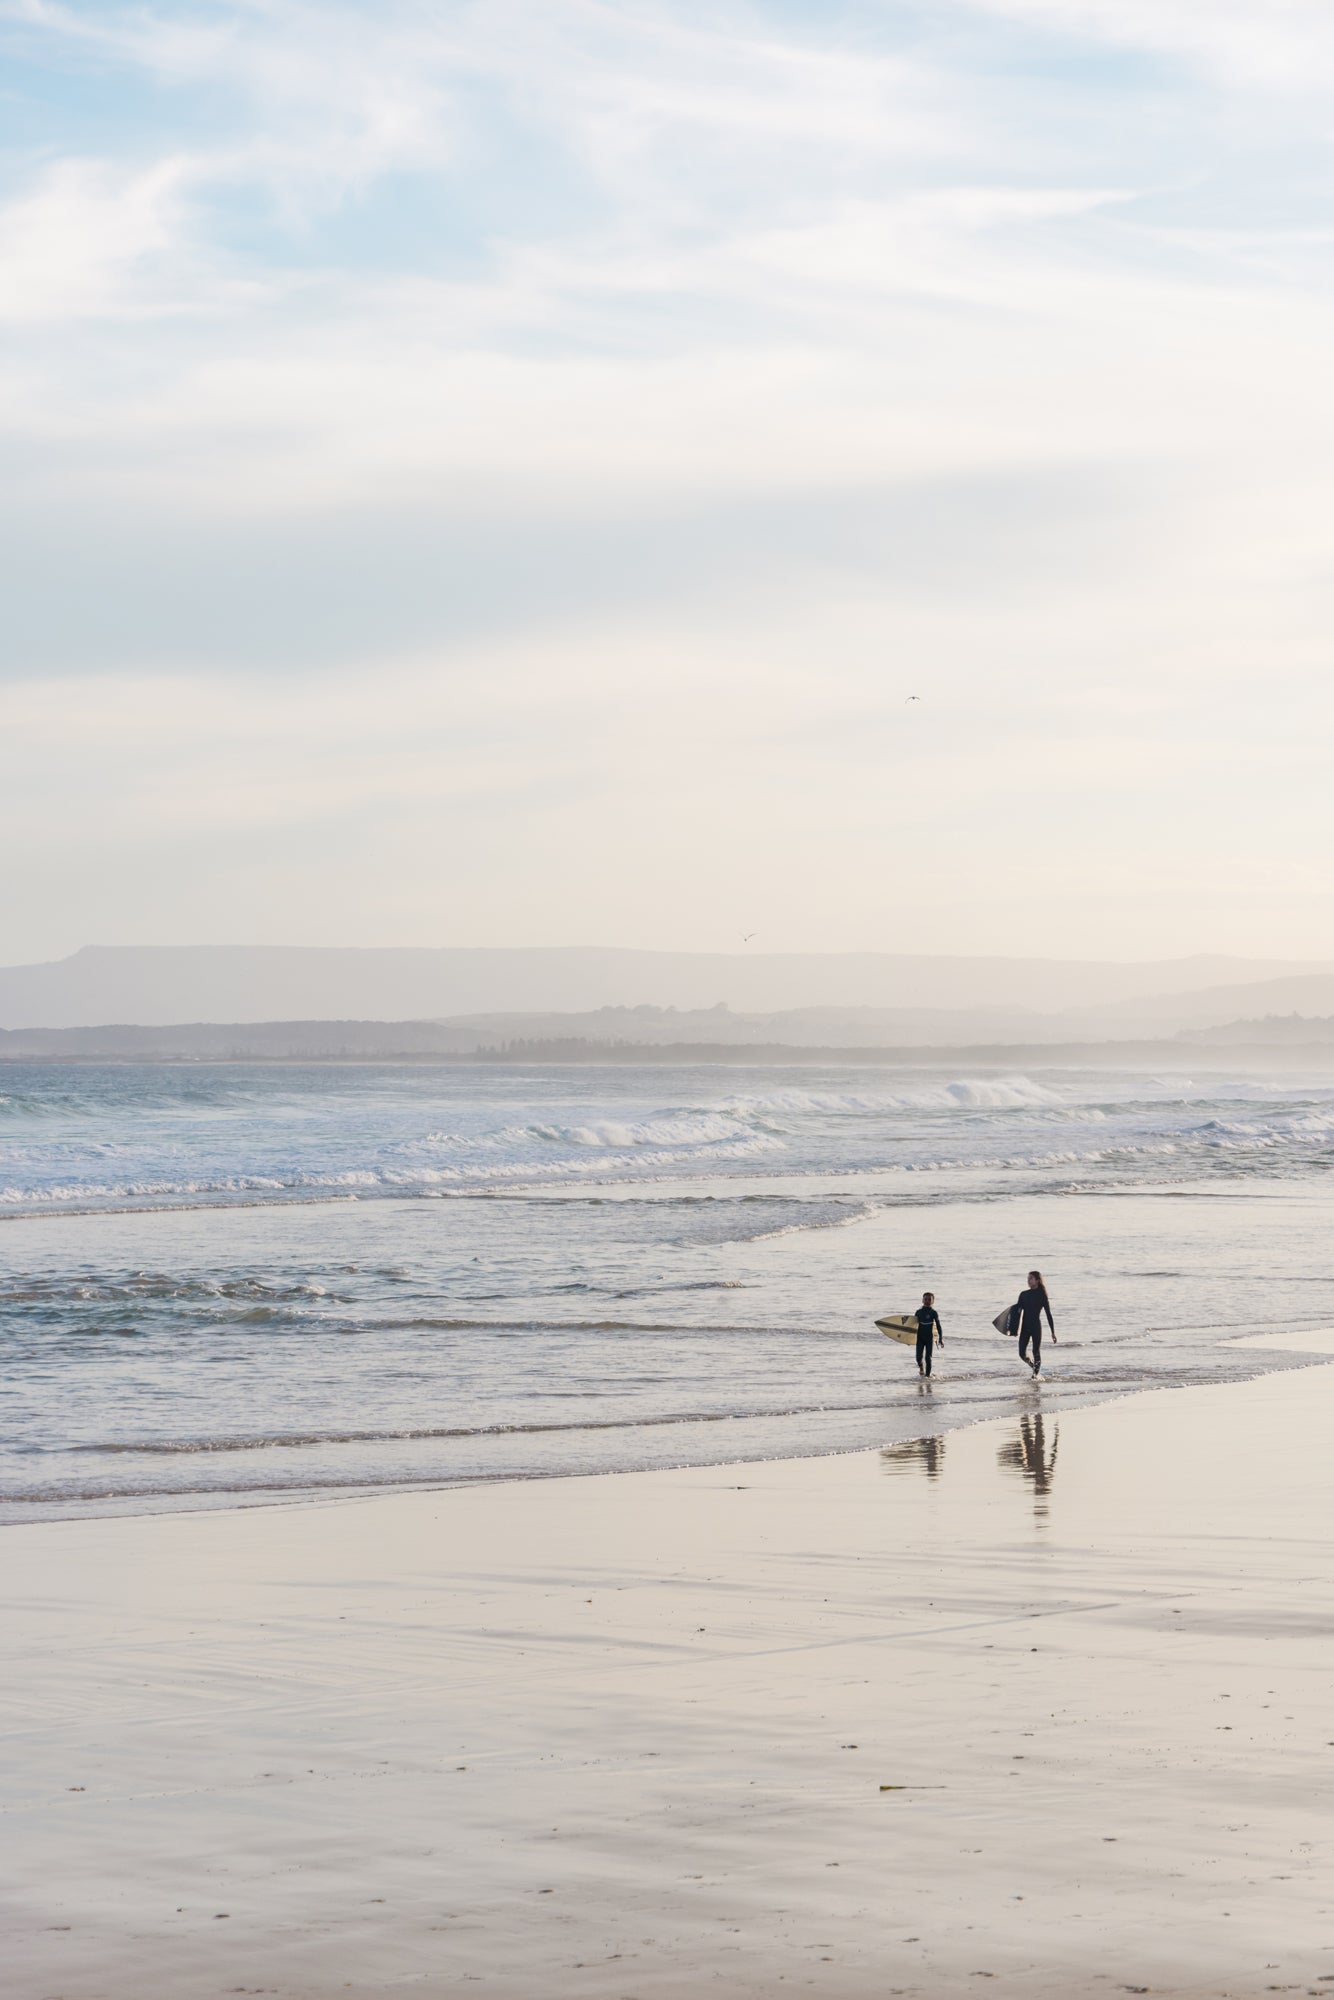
(928, 1332)
(1032, 1304)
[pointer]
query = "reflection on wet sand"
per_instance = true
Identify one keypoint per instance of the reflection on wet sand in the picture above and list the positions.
(915, 1455)
(1029, 1456)
(1032, 1454)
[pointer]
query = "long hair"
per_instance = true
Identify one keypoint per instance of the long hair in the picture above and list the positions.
(1041, 1286)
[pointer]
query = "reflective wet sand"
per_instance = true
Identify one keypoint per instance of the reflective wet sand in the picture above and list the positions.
(1039, 1707)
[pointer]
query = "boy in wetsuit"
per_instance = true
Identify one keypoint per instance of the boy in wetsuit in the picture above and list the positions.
(928, 1332)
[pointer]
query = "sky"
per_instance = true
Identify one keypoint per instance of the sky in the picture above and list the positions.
(849, 475)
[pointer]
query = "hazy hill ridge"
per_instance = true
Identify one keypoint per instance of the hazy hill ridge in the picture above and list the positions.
(1010, 998)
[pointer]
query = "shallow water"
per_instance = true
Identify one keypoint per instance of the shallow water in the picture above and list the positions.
(236, 1283)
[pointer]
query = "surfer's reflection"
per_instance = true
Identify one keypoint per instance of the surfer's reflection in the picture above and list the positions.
(915, 1455)
(1029, 1456)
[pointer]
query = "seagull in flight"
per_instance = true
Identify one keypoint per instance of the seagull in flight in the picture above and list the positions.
(749, 935)
(912, 697)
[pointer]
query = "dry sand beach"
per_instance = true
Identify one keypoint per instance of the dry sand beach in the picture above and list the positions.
(1039, 1708)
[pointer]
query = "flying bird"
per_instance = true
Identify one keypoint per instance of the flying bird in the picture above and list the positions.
(749, 935)
(912, 697)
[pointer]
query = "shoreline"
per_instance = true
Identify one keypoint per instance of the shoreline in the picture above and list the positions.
(243, 1499)
(1043, 1701)
(1305, 1345)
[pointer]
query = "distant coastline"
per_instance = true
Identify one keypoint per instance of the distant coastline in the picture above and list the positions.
(353, 1043)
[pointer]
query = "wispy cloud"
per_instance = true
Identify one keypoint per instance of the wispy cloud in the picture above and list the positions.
(1253, 46)
(610, 412)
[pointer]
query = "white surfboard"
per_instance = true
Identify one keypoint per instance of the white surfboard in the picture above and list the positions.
(899, 1326)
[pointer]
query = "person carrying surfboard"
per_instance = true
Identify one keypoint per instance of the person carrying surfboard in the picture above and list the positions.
(929, 1334)
(1030, 1307)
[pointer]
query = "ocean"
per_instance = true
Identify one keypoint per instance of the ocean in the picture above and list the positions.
(237, 1284)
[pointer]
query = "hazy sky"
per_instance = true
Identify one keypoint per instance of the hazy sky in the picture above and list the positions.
(496, 473)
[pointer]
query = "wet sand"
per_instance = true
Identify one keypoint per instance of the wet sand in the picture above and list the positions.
(631, 1736)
